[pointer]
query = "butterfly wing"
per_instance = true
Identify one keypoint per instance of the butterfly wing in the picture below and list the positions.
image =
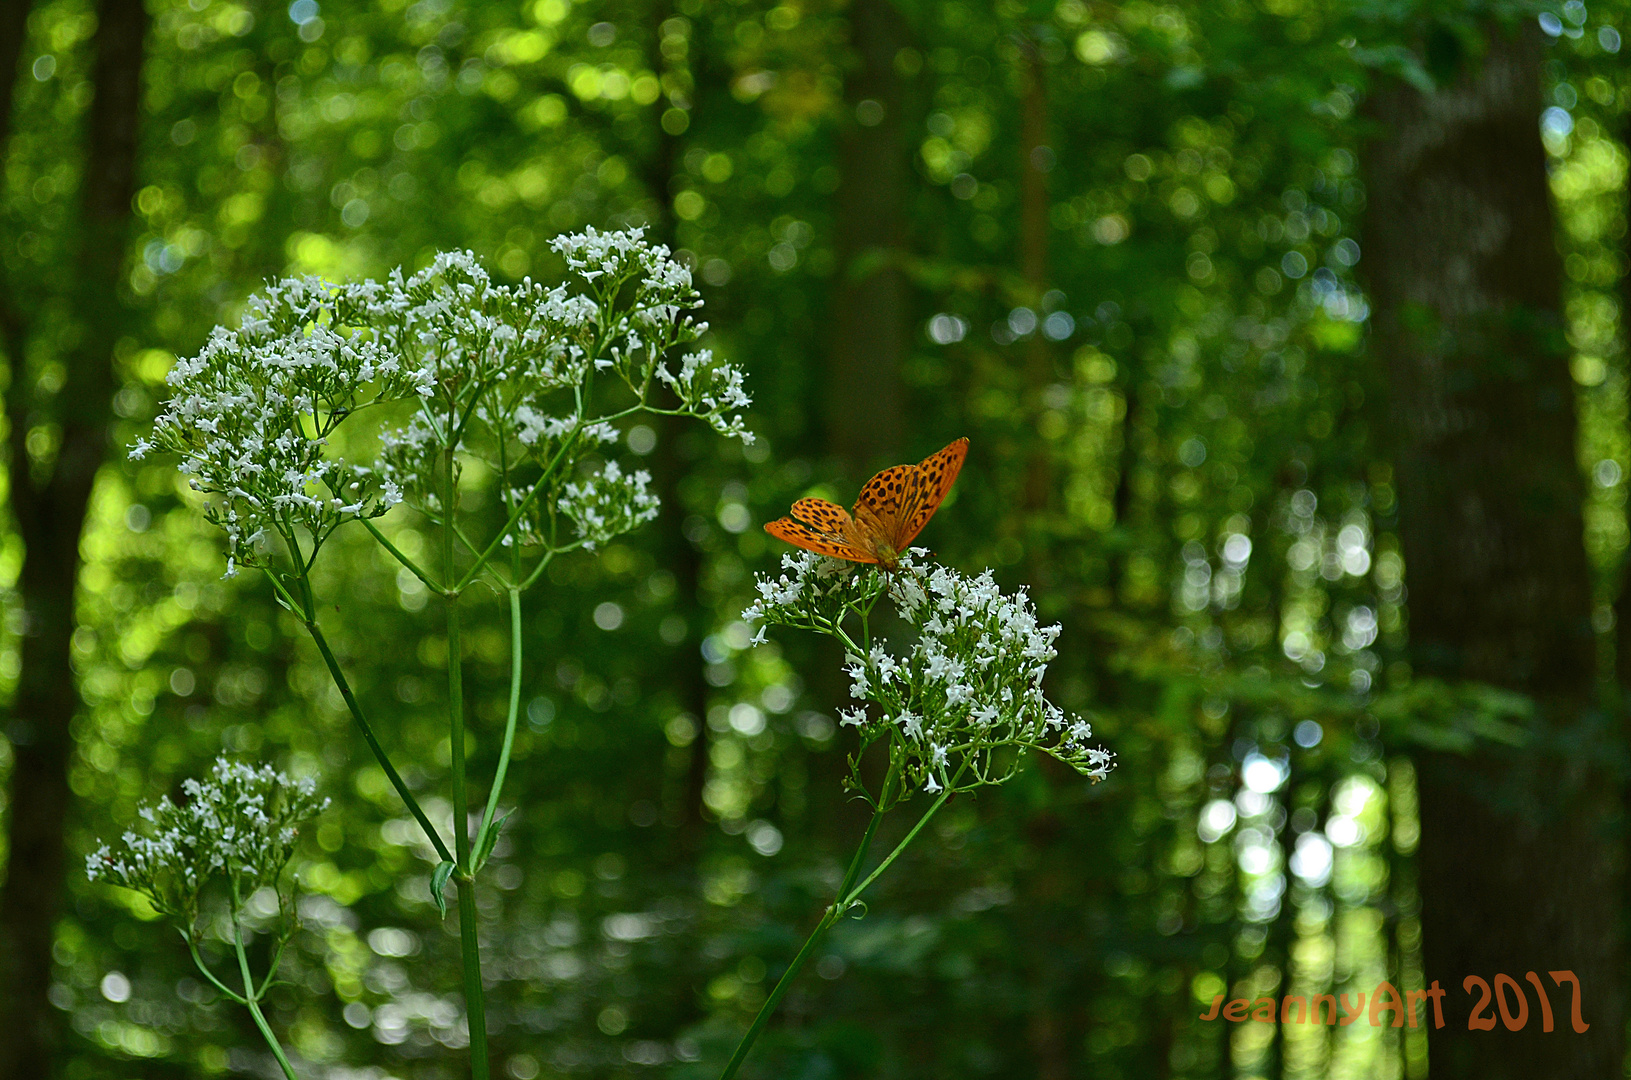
(878, 506)
(822, 527)
(931, 479)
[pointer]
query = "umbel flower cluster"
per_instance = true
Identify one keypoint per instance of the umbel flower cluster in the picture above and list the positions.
(963, 701)
(529, 380)
(239, 826)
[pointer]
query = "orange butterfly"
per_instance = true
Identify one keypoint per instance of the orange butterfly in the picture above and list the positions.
(891, 510)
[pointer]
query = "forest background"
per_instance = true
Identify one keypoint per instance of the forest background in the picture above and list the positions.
(1245, 308)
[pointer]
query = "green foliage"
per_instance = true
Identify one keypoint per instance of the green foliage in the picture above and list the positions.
(1177, 443)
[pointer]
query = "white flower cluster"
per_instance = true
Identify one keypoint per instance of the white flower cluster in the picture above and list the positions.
(654, 322)
(240, 824)
(964, 700)
(712, 390)
(457, 330)
(609, 503)
(524, 377)
(251, 414)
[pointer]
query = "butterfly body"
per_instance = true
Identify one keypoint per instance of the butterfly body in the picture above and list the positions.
(890, 511)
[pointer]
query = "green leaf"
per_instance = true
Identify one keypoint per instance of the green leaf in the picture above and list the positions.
(487, 841)
(438, 883)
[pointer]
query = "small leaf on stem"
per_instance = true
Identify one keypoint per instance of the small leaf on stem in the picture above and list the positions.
(438, 883)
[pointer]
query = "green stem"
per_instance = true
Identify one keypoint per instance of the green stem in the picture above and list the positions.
(834, 912)
(306, 609)
(509, 722)
(475, 1003)
(413, 567)
(829, 917)
(271, 968)
(469, 946)
(271, 1039)
(373, 743)
(192, 947)
(543, 564)
(515, 515)
(537, 488)
(951, 786)
(250, 999)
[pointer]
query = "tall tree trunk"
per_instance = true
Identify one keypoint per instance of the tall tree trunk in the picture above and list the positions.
(48, 501)
(1051, 1029)
(1518, 872)
(678, 554)
(1036, 160)
(871, 317)
(1622, 600)
(13, 32)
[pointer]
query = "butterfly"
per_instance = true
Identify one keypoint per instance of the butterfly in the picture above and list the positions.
(891, 510)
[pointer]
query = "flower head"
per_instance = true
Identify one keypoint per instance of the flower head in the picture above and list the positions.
(252, 414)
(963, 700)
(527, 379)
(239, 825)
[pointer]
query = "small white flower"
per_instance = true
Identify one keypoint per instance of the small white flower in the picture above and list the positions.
(970, 680)
(609, 504)
(492, 370)
(240, 823)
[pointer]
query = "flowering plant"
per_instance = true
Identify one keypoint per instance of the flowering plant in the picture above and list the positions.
(500, 374)
(956, 708)
(964, 700)
(236, 828)
(518, 390)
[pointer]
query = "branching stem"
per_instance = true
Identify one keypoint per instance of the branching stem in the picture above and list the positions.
(469, 943)
(849, 893)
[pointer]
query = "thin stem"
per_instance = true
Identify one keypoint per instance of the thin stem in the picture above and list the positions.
(828, 917)
(859, 860)
(537, 487)
(373, 743)
(469, 946)
(538, 570)
(192, 947)
(250, 999)
(834, 912)
(515, 515)
(271, 968)
(509, 722)
(475, 1002)
(907, 840)
(271, 1039)
(413, 567)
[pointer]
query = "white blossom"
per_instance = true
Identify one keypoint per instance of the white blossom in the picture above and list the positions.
(251, 414)
(963, 699)
(525, 378)
(609, 503)
(239, 825)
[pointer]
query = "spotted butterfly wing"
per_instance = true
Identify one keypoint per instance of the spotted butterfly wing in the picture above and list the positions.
(878, 506)
(822, 527)
(932, 480)
(890, 511)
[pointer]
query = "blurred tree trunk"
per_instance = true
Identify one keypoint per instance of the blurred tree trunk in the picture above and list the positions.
(1036, 161)
(679, 555)
(49, 494)
(1622, 600)
(13, 31)
(871, 316)
(1056, 1013)
(1518, 871)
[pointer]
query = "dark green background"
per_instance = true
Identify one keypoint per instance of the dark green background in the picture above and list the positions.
(876, 197)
